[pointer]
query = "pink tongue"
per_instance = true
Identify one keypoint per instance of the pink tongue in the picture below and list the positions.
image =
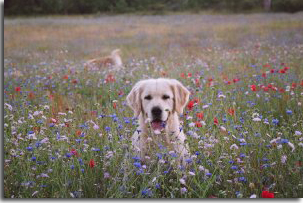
(157, 125)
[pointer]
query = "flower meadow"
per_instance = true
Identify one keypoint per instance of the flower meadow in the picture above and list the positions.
(67, 129)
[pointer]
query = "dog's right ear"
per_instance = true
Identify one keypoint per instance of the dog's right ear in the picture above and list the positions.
(134, 98)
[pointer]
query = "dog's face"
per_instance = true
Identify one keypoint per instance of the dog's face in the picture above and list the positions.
(157, 99)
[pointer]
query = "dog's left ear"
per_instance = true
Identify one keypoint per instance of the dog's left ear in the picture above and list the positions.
(181, 95)
(133, 98)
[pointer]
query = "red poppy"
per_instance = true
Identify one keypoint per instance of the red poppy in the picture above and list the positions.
(182, 75)
(265, 89)
(74, 81)
(65, 77)
(198, 124)
(293, 85)
(92, 163)
(74, 152)
(231, 112)
(281, 90)
(120, 93)
(216, 122)
(93, 113)
(114, 105)
(49, 77)
(264, 75)
(190, 105)
(200, 115)
(228, 82)
(31, 95)
(78, 132)
(286, 68)
(267, 194)
(253, 88)
(236, 80)
(210, 79)
(18, 89)
(282, 71)
(189, 75)
(272, 71)
(197, 81)
(302, 83)
(266, 65)
(269, 86)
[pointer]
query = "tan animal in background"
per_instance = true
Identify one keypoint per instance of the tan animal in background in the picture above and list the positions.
(113, 60)
(158, 103)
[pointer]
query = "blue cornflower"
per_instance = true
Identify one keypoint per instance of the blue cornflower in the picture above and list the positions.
(265, 159)
(284, 141)
(68, 154)
(107, 129)
(82, 170)
(72, 166)
(78, 140)
(30, 132)
(80, 161)
(136, 158)
(174, 155)
(242, 155)
(38, 144)
(140, 171)
(51, 125)
(158, 186)
(208, 174)
(289, 112)
(275, 121)
(159, 155)
(29, 148)
(34, 158)
(197, 153)
(188, 161)
(137, 164)
(234, 167)
(243, 179)
(39, 121)
(231, 162)
(165, 172)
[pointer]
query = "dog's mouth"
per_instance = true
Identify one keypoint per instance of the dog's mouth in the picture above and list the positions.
(158, 125)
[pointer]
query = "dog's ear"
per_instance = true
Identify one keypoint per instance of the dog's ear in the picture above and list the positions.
(181, 96)
(134, 98)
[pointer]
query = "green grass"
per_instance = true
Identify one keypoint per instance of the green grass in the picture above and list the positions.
(39, 52)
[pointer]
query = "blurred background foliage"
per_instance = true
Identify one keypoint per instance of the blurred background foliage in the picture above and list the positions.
(67, 7)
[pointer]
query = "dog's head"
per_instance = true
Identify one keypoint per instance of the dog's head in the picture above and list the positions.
(157, 99)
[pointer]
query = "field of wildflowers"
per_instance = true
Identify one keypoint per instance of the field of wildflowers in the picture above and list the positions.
(67, 129)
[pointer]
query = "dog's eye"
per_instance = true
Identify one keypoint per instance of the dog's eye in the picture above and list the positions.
(148, 97)
(165, 97)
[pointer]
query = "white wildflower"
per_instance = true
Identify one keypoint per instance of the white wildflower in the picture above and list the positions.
(256, 119)
(283, 159)
(292, 146)
(46, 107)
(205, 106)
(298, 133)
(183, 190)
(35, 193)
(182, 181)
(300, 144)
(234, 146)
(191, 173)
(201, 168)
(223, 128)
(253, 196)
(279, 146)
(192, 124)
(9, 106)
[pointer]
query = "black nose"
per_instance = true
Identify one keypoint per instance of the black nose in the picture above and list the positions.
(156, 112)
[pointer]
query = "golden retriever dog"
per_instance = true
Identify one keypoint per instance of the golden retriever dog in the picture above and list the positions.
(157, 103)
(113, 60)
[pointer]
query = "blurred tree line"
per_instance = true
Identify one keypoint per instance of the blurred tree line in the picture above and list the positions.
(41, 7)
